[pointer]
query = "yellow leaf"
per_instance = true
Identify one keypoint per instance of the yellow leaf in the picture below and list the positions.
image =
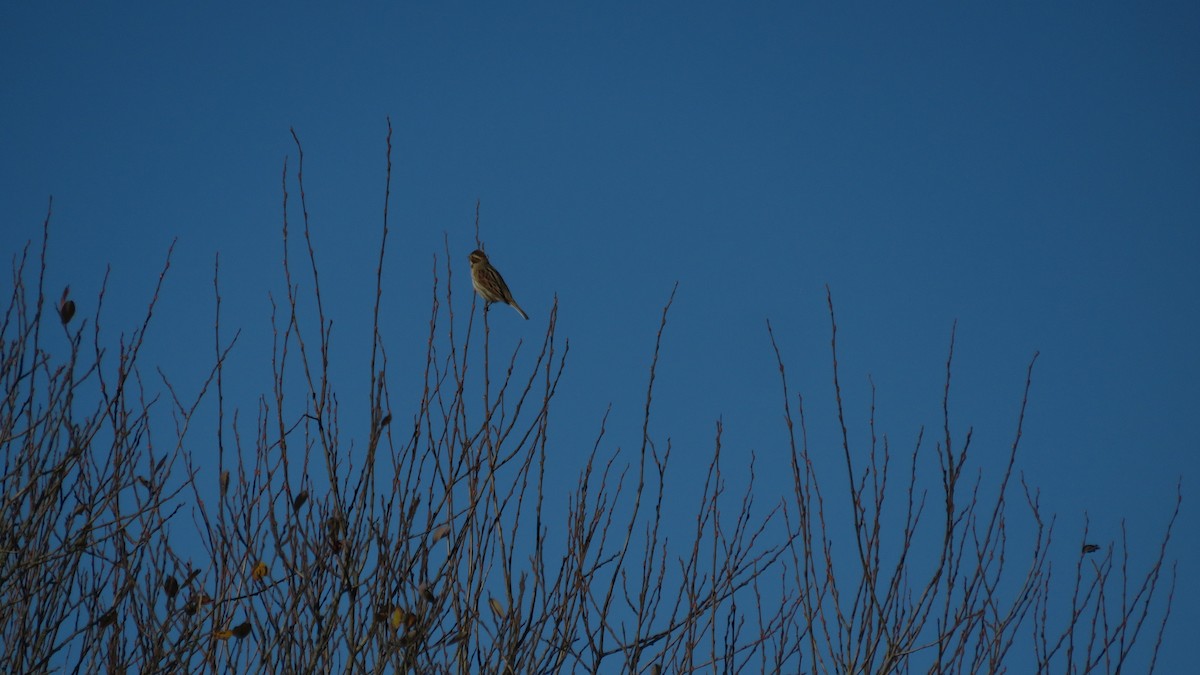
(259, 572)
(223, 634)
(397, 618)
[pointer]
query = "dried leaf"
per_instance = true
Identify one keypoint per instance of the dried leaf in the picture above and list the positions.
(1090, 548)
(497, 607)
(334, 526)
(241, 630)
(170, 586)
(195, 602)
(397, 618)
(66, 307)
(223, 634)
(299, 500)
(84, 538)
(259, 572)
(107, 619)
(440, 532)
(426, 592)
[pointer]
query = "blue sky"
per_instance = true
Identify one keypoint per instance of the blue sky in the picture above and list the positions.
(1031, 170)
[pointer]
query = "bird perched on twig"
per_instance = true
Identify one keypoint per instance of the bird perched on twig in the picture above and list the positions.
(489, 284)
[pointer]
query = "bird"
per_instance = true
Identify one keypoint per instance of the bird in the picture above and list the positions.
(489, 284)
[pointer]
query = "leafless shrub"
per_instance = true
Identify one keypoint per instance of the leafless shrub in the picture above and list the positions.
(417, 540)
(929, 584)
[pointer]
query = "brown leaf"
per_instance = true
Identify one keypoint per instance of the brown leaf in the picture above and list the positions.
(195, 602)
(66, 307)
(299, 500)
(170, 586)
(241, 630)
(497, 607)
(67, 311)
(335, 526)
(107, 619)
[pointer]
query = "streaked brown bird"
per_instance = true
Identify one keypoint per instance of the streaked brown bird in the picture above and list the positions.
(489, 284)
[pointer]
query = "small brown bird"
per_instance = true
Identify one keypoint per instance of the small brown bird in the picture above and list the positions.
(489, 284)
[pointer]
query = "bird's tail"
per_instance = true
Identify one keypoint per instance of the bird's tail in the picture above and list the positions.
(519, 310)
